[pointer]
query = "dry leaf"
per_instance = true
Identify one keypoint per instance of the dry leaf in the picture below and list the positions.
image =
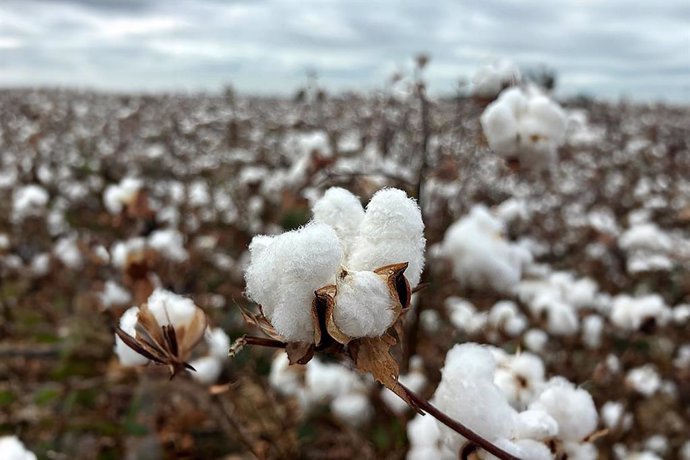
(299, 352)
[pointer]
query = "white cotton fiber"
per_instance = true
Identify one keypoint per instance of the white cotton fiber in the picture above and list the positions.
(364, 307)
(284, 272)
(114, 294)
(29, 200)
(467, 393)
(170, 308)
(125, 354)
(11, 448)
(169, 243)
(117, 196)
(489, 80)
(343, 211)
(208, 369)
(630, 313)
(571, 407)
(536, 424)
(392, 231)
(218, 342)
(480, 255)
(525, 124)
(352, 408)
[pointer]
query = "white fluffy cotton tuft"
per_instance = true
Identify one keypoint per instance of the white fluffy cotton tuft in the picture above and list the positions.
(392, 231)
(364, 305)
(285, 270)
(343, 211)
(11, 448)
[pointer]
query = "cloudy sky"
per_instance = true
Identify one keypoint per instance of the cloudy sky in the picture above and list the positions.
(609, 48)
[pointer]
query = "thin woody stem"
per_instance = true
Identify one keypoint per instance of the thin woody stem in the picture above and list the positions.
(457, 426)
(264, 342)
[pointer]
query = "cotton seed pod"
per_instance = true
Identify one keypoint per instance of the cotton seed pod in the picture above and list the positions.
(166, 331)
(361, 304)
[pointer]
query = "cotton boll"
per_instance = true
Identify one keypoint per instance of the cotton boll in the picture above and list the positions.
(506, 316)
(114, 294)
(644, 379)
(116, 197)
(535, 340)
(571, 407)
(489, 80)
(592, 329)
(125, 354)
(40, 265)
(580, 451)
(467, 393)
(614, 416)
(343, 211)
(536, 424)
(218, 342)
(208, 369)
(170, 308)
(29, 200)
(132, 250)
(67, 251)
(285, 270)
(630, 313)
(533, 450)
(500, 126)
(519, 376)
(326, 381)
(169, 243)
(424, 435)
(645, 236)
(286, 379)
(352, 408)
(391, 232)
(11, 448)
(364, 307)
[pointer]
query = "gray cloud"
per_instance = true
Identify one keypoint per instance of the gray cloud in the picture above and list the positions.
(607, 47)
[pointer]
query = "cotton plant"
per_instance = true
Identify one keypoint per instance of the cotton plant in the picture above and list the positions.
(344, 278)
(555, 418)
(481, 255)
(489, 80)
(524, 124)
(164, 330)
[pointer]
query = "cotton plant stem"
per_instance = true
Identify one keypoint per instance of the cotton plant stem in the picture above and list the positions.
(457, 426)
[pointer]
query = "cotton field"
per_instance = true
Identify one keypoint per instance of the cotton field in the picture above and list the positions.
(383, 275)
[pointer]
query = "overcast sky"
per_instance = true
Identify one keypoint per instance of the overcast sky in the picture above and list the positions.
(640, 49)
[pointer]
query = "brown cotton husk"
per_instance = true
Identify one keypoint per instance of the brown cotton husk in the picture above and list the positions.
(165, 344)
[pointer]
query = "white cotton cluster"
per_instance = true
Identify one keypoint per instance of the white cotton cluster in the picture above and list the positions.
(426, 442)
(525, 124)
(392, 231)
(489, 80)
(285, 270)
(647, 248)
(209, 367)
(169, 243)
(505, 399)
(304, 144)
(117, 197)
(29, 200)
(631, 313)
(67, 251)
(481, 255)
(342, 246)
(123, 253)
(114, 294)
(415, 380)
(644, 379)
(505, 316)
(318, 383)
(615, 417)
(557, 297)
(11, 448)
(167, 308)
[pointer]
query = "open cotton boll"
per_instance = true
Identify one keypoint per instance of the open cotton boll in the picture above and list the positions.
(571, 407)
(208, 369)
(592, 329)
(631, 313)
(391, 232)
(480, 255)
(343, 211)
(117, 196)
(29, 200)
(645, 236)
(364, 304)
(170, 308)
(285, 270)
(519, 376)
(286, 379)
(425, 440)
(67, 251)
(352, 408)
(124, 252)
(327, 380)
(535, 340)
(467, 393)
(490, 80)
(218, 342)
(506, 316)
(11, 448)
(580, 451)
(525, 448)
(644, 379)
(614, 416)
(169, 243)
(125, 354)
